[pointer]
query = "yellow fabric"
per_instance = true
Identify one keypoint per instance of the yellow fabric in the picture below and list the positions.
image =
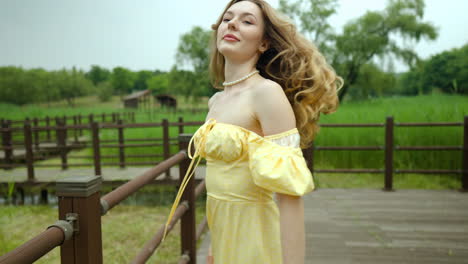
(242, 173)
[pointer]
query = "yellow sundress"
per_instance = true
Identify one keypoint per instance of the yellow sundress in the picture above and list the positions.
(243, 172)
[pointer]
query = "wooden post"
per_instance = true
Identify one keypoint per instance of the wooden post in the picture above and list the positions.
(7, 143)
(90, 118)
(103, 117)
(96, 149)
(465, 156)
(36, 134)
(61, 142)
(181, 126)
(80, 122)
(388, 154)
(44, 199)
(113, 118)
(47, 119)
(75, 131)
(308, 154)
(166, 146)
(121, 144)
(79, 202)
(29, 150)
(187, 224)
(20, 191)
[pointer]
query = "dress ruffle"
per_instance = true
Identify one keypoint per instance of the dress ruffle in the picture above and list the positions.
(277, 168)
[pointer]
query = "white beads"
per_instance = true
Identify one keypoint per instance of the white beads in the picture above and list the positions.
(241, 79)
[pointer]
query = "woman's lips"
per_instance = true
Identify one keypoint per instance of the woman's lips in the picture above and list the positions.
(230, 37)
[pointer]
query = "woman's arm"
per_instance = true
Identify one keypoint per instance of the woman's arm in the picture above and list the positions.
(292, 228)
(276, 115)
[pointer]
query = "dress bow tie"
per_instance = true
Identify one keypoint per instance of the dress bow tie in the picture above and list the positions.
(203, 131)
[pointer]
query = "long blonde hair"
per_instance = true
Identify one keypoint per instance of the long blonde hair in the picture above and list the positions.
(309, 82)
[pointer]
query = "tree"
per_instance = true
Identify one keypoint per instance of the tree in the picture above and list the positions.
(446, 71)
(41, 86)
(372, 82)
(141, 80)
(105, 91)
(122, 80)
(14, 86)
(21, 86)
(193, 50)
(311, 17)
(159, 84)
(370, 36)
(98, 74)
(73, 84)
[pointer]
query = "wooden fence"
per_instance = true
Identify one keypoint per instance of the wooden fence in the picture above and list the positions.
(78, 232)
(389, 149)
(122, 143)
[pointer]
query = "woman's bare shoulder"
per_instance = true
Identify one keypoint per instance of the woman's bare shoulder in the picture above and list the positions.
(268, 87)
(213, 98)
(267, 91)
(272, 108)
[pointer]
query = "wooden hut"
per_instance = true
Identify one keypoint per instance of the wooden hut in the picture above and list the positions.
(166, 100)
(138, 99)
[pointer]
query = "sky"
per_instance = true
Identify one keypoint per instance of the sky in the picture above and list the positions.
(144, 34)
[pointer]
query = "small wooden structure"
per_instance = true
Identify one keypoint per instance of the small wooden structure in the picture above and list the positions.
(137, 99)
(166, 100)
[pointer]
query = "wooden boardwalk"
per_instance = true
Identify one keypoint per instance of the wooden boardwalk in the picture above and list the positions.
(370, 226)
(108, 173)
(351, 226)
(43, 151)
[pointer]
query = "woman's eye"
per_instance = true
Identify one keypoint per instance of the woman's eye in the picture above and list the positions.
(248, 22)
(225, 20)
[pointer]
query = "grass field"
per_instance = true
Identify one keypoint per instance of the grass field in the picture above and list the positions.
(424, 108)
(125, 229)
(84, 106)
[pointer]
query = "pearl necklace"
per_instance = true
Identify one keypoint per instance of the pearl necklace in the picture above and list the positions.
(241, 79)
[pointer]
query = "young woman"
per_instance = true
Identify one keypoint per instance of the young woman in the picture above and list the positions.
(274, 85)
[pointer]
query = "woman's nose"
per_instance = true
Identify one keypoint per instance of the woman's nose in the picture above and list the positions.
(232, 24)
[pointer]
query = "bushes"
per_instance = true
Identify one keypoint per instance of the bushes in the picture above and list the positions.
(20, 86)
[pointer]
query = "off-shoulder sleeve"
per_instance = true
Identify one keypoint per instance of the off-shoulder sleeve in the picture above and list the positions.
(277, 164)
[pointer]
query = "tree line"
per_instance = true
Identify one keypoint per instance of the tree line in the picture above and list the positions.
(23, 86)
(362, 54)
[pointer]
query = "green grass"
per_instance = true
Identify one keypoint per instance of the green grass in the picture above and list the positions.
(424, 108)
(84, 106)
(427, 108)
(125, 229)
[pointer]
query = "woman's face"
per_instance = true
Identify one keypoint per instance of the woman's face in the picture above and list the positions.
(240, 34)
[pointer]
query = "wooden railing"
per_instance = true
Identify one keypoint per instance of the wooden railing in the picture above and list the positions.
(78, 232)
(389, 148)
(64, 144)
(165, 142)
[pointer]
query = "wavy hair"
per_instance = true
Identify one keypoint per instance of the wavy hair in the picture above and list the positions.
(309, 82)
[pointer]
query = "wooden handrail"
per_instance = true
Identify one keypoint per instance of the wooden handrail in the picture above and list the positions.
(35, 248)
(115, 197)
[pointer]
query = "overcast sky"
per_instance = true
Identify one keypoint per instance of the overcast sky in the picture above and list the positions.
(144, 34)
